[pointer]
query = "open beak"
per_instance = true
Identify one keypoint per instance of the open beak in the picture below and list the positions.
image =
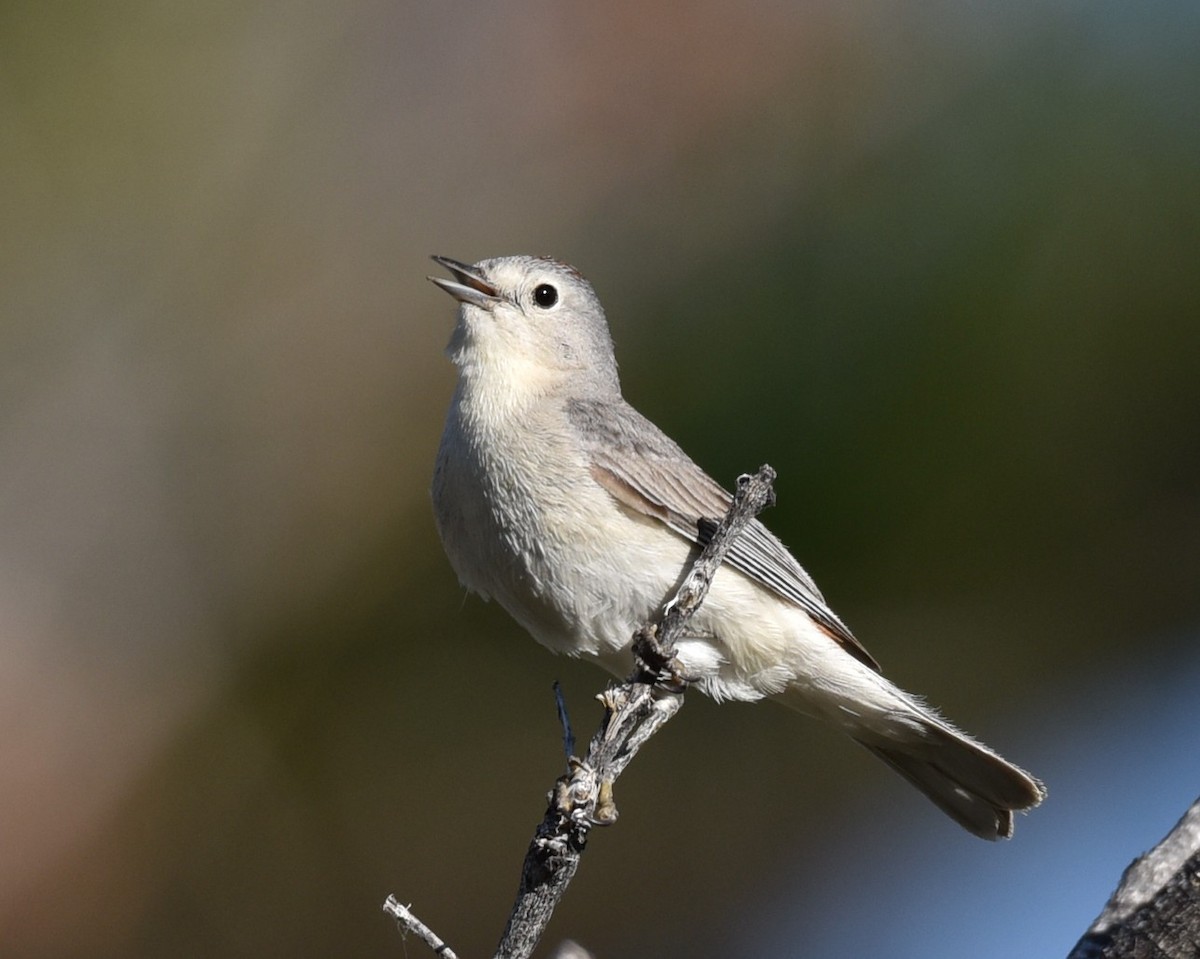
(468, 286)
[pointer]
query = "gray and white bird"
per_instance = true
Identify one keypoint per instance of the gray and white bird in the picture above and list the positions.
(556, 498)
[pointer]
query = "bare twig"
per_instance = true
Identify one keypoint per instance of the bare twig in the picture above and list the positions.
(654, 643)
(410, 923)
(633, 712)
(564, 720)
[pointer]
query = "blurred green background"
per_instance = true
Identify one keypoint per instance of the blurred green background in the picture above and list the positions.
(936, 263)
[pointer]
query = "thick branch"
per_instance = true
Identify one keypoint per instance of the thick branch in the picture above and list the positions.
(1155, 912)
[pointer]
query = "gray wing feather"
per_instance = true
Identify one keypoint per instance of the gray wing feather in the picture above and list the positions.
(647, 471)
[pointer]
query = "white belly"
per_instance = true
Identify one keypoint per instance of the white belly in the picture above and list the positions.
(531, 529)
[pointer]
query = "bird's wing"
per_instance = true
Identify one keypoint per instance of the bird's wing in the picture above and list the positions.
(646, 471)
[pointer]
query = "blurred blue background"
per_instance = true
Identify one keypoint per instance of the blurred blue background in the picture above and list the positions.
(935, 262)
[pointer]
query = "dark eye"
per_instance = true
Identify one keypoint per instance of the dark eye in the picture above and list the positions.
(545, 296)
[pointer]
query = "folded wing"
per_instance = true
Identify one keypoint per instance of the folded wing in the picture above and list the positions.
(650, 474)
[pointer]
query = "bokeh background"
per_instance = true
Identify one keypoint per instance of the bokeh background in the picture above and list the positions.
(935, 262)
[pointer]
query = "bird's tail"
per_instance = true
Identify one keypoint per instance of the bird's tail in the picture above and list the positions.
(974, 786)
(971, 784)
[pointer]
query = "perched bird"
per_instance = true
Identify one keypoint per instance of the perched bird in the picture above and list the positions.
(556, 498)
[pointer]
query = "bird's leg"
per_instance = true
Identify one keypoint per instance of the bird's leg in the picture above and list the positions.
(657, 664)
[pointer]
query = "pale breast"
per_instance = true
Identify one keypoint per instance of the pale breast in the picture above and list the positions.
(523, 522)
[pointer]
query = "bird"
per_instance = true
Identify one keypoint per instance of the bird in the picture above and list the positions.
(556, 498)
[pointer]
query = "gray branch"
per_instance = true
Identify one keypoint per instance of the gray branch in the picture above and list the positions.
(1155, 912)
(633, 712)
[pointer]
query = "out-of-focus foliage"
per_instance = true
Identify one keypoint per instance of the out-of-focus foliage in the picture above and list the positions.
(936, 263)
